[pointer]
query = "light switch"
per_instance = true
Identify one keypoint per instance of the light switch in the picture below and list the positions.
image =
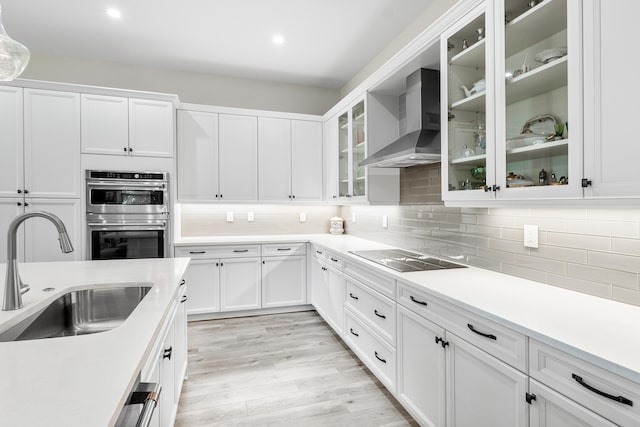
(353, 217)
(250, 217)
(530, 236)
(229, 216)
(385, 221)
(303, 217)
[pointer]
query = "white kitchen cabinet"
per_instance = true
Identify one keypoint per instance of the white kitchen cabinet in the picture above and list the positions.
(52, 144)
(330, 135)
(151, 127)
(240, 284)
(319, 286)
(328, 290)
(127, 126)
(306, 160)
(610, 107)
(488, 151)
(421, 368)
(203, 278)
(351, 151)
(284, 281)
(481, 390)
(12, 151)
(289, 160)
(105, 124)
(41, 236)
(180, 343)
(197, 159)
(551, 409)
(9, 209)
(274, 159)
(238, 151)
(167, 405)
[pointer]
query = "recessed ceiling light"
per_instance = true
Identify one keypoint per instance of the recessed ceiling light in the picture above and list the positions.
(278, 39)
(114, 13)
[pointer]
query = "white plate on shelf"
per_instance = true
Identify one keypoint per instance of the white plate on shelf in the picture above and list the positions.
(549, 55)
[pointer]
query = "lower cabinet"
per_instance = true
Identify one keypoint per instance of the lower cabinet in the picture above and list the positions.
(240, 284)
(482, 390)
(284, 281)
(329, 290)
(421, 368)
(203, 278)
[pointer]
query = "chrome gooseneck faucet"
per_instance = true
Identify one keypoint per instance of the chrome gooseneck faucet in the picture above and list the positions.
(13, 287)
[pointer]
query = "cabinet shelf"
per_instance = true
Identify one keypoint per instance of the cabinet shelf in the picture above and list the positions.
(346, 150)
(360, 178)
(473, 56)
(534, 25)
(358, 117)
(538, 81)
(473, 103)
(344, 126)
(359, 145)
(552, 148)
(470, 159)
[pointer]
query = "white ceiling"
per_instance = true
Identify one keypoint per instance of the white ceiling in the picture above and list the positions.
(326, 41)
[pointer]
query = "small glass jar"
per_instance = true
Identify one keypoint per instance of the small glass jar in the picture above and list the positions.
(337, 225)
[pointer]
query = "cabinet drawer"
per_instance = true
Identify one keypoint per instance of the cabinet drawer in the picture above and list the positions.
(497, 340)
(231, 251)
(319, 253)
(379, 356)
(374, 309)
(334, 260)
(282, 249)
(372, 278)
(584, 382)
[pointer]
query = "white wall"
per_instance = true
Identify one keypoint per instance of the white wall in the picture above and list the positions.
(197, 88)
(425, 19)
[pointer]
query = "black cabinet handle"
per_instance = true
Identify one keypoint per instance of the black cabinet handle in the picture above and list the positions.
(417, 301)
(353, 296)
(19, 203)
(217, 264)
(284, 249)
(379, 358)
(294, 196)
(124, 149)
(26, 191)
(319, 253)
(184, 298)
(130, 149)
(222, 264)
(197, 252)
(353, 333)
(382, 316)
(442, 342)
(26, 204)
(333, 259)
(216, 196)
(490, 336)
(167, 353)
(619, 399)
(19, 191)
(324, 268)
(221, 196)
(240, 250)
(182, 282)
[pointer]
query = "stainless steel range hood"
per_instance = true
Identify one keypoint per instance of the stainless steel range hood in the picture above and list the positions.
(421, 144)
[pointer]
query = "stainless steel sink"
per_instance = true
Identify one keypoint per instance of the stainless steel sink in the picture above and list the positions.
(87, 311)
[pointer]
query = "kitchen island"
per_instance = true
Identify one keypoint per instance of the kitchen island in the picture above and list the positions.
(83, 380)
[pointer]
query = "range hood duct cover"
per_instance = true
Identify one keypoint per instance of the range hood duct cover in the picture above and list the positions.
(421, 144)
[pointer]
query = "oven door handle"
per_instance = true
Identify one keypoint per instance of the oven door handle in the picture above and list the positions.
(161, 224)
(127, 184)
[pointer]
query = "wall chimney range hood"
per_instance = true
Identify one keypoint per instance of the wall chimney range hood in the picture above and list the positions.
(421, 143)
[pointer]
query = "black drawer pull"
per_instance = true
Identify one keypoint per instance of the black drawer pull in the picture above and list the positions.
(353, 333)
(490, 336)
(417, 301)
(620, 399)
(379, 358)
(379, 315)
(333, 259)
(353, 296)
(184, 298)
(197, 252)
(284, 249)
(319, 253)
(182, 282)
(167, 353)
(240, 250)
(324, 268)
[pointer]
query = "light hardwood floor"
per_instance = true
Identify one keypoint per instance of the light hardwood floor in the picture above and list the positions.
(280, 370)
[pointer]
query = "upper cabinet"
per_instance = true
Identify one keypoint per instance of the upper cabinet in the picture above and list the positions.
(352, 150)
(610, 111)
(238, 161)
(127, 126)
(11, 160)
(306, 160)
(513, 91)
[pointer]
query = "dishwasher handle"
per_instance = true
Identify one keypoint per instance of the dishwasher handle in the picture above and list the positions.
(147, 394)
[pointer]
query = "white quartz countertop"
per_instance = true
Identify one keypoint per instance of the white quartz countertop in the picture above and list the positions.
(601, 331)
(83, 380)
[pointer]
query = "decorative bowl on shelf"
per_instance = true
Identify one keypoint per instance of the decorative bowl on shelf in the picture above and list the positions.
(549, 55)
(479, 173)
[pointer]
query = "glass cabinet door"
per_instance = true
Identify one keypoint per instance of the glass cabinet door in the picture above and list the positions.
(539, 151)
(358, 145)
(468, 159)
(343, 155)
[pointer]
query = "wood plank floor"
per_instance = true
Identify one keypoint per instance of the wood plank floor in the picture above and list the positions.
(280, 370)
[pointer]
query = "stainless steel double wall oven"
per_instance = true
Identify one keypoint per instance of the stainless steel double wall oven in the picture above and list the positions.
(127, 214)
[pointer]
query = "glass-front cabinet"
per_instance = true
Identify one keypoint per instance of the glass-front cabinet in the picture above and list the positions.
(513, 102)
(352, 145)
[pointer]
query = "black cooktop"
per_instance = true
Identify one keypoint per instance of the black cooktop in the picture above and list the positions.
(404, 261)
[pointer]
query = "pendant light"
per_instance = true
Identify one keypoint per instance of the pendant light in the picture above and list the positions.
(14, 56)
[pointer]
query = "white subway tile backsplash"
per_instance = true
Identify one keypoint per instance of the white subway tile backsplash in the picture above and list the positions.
(615, 261)
(626, 246)
(568, 240)
(626, 295)
(567, 213)
(525, 273)
(508, 246)
(546, 224)
(584, 286)
(541, 264)
(607, 214)
(616, 278)
(603, 228)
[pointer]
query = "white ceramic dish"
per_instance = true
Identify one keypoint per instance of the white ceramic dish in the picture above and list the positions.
(549, 55)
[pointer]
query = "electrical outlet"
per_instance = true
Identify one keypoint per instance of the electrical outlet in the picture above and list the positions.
(530, 236)
(353, 217)
(385, 221)
(303, 217)
(229, 216)
(250, 217)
